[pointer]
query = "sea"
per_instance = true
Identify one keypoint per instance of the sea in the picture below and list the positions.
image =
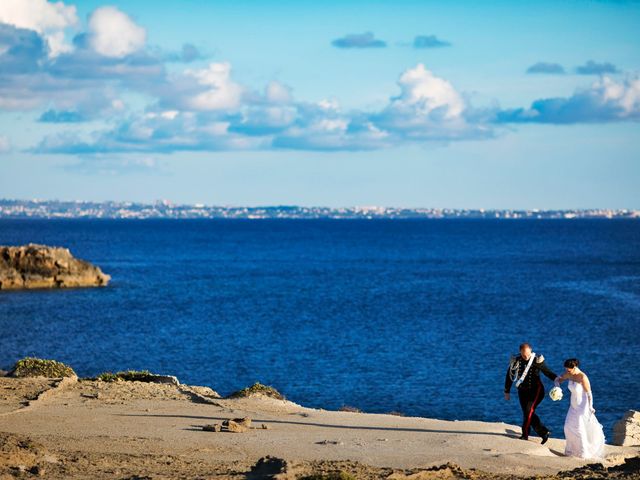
(413, 316)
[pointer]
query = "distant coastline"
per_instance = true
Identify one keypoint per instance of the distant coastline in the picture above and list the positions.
(52, 209)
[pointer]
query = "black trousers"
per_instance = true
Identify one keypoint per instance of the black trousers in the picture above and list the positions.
(530, 398)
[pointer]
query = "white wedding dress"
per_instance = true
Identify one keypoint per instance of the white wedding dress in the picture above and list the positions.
(585, 438)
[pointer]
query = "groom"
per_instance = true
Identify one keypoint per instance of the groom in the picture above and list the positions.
(524, 370)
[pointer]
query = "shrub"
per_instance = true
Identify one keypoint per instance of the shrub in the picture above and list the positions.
(136, 376)
(127, 376)
(38, 367)
(108, 377)
(258, 388)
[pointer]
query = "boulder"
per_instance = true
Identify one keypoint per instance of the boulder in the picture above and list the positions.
(276, 469)
(41, 266)
(626, 432)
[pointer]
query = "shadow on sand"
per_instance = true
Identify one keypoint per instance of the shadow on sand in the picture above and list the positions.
(507, 433)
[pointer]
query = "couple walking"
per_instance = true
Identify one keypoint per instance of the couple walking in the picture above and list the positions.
(583, 432)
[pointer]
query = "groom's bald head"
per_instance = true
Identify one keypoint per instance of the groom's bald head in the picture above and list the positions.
(525, 350)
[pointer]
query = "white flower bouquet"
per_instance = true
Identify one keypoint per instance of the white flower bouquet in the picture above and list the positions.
(555, 394)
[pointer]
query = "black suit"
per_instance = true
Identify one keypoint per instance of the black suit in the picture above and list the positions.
(530, 392)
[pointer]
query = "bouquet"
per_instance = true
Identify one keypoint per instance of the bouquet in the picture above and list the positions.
(555, 394)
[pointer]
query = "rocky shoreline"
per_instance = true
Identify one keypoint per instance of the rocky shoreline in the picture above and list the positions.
(41, 266)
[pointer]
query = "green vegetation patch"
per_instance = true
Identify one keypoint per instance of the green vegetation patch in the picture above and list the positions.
(258, 388)
(341, 475)
(38, 367)
(127, 376)
(107, 377)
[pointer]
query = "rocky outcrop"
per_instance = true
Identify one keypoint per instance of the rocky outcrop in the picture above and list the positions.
(40, 266)
(626, 432)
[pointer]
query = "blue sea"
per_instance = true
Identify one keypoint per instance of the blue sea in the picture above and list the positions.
(415, 316)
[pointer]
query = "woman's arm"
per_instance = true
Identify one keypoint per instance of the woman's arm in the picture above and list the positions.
(586, 385)
(561, 378)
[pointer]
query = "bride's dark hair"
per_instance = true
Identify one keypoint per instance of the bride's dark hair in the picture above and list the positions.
(571, 363)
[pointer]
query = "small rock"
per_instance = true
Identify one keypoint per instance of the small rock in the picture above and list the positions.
(37, 470)
(168, 379)
(245, 421)
(212, 428)
(330, 442)
(264, 426)
(234, 427)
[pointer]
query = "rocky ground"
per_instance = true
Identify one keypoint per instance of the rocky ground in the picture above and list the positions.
(62, 429)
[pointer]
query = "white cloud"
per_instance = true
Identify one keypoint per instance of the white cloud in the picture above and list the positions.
(222, 93)
(422, 91)
(113, 34)
(328, 104)
(626, 95)
(428, 108)
(276, 92)
(48, 19)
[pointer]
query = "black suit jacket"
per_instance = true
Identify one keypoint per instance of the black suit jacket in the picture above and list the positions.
(533, 376)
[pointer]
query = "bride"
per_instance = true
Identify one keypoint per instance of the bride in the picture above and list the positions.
(582, 430)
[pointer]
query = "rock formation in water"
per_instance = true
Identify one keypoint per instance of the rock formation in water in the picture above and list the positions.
(41, 266)
(626, 432)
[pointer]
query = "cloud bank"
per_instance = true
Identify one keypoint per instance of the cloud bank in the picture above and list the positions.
(203, 107)
(214, 112)
(605, 101)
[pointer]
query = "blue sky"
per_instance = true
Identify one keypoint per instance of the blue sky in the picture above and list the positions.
(431, 103)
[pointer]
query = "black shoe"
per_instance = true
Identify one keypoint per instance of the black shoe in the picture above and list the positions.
(522, 437)
(545, 437)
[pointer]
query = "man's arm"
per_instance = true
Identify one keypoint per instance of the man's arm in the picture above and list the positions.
(548, 373)
(507, 381)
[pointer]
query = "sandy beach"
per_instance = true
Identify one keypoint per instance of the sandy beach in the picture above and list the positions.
(95, 429)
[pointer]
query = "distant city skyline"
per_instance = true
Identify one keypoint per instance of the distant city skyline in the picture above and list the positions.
(434, 104)
(163, 209)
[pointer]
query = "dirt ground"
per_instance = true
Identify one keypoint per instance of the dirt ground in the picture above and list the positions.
(58, 429)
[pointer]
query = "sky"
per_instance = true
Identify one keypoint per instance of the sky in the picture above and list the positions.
(400, 103)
